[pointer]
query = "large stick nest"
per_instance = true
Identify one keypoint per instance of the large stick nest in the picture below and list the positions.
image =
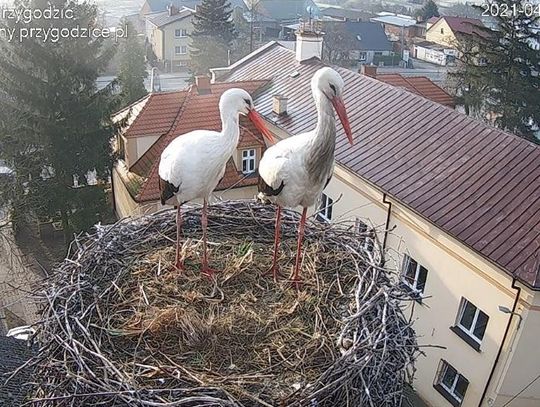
(122, 327)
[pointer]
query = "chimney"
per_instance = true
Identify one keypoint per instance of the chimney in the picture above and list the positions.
(279, 105)
(203, 84)
(309, 41)
(369, 70)
(171, 9)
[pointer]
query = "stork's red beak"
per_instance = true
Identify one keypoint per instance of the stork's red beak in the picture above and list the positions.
(342, 114)
(258, 121)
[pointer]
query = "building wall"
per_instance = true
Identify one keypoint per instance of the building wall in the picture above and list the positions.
(170, 42)
(17, 278)
(454, 272)
(430, 55)
(444, 37)
(143, 144)
(518, 380)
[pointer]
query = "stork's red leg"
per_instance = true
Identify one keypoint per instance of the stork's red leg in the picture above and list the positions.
(296, 277)
(179, 262)
(204, 220)
(277, 235)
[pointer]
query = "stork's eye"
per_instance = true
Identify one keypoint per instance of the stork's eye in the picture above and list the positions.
(333, 89)
(248, 102)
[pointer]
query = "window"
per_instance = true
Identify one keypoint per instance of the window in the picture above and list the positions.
(325, 209)
(362, 56)
(414, 275)
(368, 235)
(248, 161)
(471, 324)
(442, 30)
(450, 383)
(482, 61)
(378, 53)
(180, 32)
(180, 50)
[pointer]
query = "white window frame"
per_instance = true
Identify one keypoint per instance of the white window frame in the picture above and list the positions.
(181, 48)
(405, 268)
(249, 159)
(362, 56)
(451, 390)
(325, 208)
(183, 33)
(470, 332)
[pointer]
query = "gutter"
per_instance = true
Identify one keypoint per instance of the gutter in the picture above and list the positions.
(507, 330)
(387, 225)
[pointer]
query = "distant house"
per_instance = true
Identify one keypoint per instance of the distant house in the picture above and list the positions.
(449, 31)
(156, 6)
(151, 123)
(397, 26)
(344, 14)
(435, 53)
(370, 40)
(269, 16)
(167, 33)
(419, 85)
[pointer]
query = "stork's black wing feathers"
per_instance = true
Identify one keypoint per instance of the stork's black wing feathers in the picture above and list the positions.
(166, 190)
(327, 181)
(267, 189)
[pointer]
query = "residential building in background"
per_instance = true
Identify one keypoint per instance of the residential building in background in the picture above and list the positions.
(455, 204)
(450, 31)
(167, 33)
(151, 123)
(369, 41)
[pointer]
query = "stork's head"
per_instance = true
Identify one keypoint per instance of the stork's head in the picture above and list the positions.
(329, 84)
(237, 101)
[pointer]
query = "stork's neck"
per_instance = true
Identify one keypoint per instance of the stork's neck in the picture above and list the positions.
(320, 158)
(230, 131)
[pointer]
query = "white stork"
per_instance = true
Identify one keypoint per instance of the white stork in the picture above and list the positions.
(193, 164)
(295, 171)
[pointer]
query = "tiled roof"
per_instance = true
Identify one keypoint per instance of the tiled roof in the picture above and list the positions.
(368, 35)
(462, 25)
(194, 111)
(421, 86)
(153, 115)
(13, 354)
(163, 19)
(479, 184)
(161, 5)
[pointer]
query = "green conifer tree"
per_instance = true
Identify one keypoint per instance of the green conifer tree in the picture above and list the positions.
(132, 67)
(56, 123)
(213, 35)
(498, 78)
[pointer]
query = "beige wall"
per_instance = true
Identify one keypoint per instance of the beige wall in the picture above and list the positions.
(17, 278)
(446, 37)
(163, 40)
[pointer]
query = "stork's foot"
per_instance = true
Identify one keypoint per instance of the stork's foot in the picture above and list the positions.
(176, 267)
(297, 283)
(209, 272)
(275, 272)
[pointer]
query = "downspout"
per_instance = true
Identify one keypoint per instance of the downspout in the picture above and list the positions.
(387, 226)
(507, 330)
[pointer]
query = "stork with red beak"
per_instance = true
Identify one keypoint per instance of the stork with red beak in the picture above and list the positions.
(193, 164)
(295, 171)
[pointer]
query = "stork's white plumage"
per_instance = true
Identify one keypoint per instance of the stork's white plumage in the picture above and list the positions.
(295, 171)
(192, 165)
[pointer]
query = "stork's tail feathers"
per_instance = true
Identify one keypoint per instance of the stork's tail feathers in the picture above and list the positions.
(167, 190)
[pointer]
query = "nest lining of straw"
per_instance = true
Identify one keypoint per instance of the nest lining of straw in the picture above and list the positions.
(121, 326)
